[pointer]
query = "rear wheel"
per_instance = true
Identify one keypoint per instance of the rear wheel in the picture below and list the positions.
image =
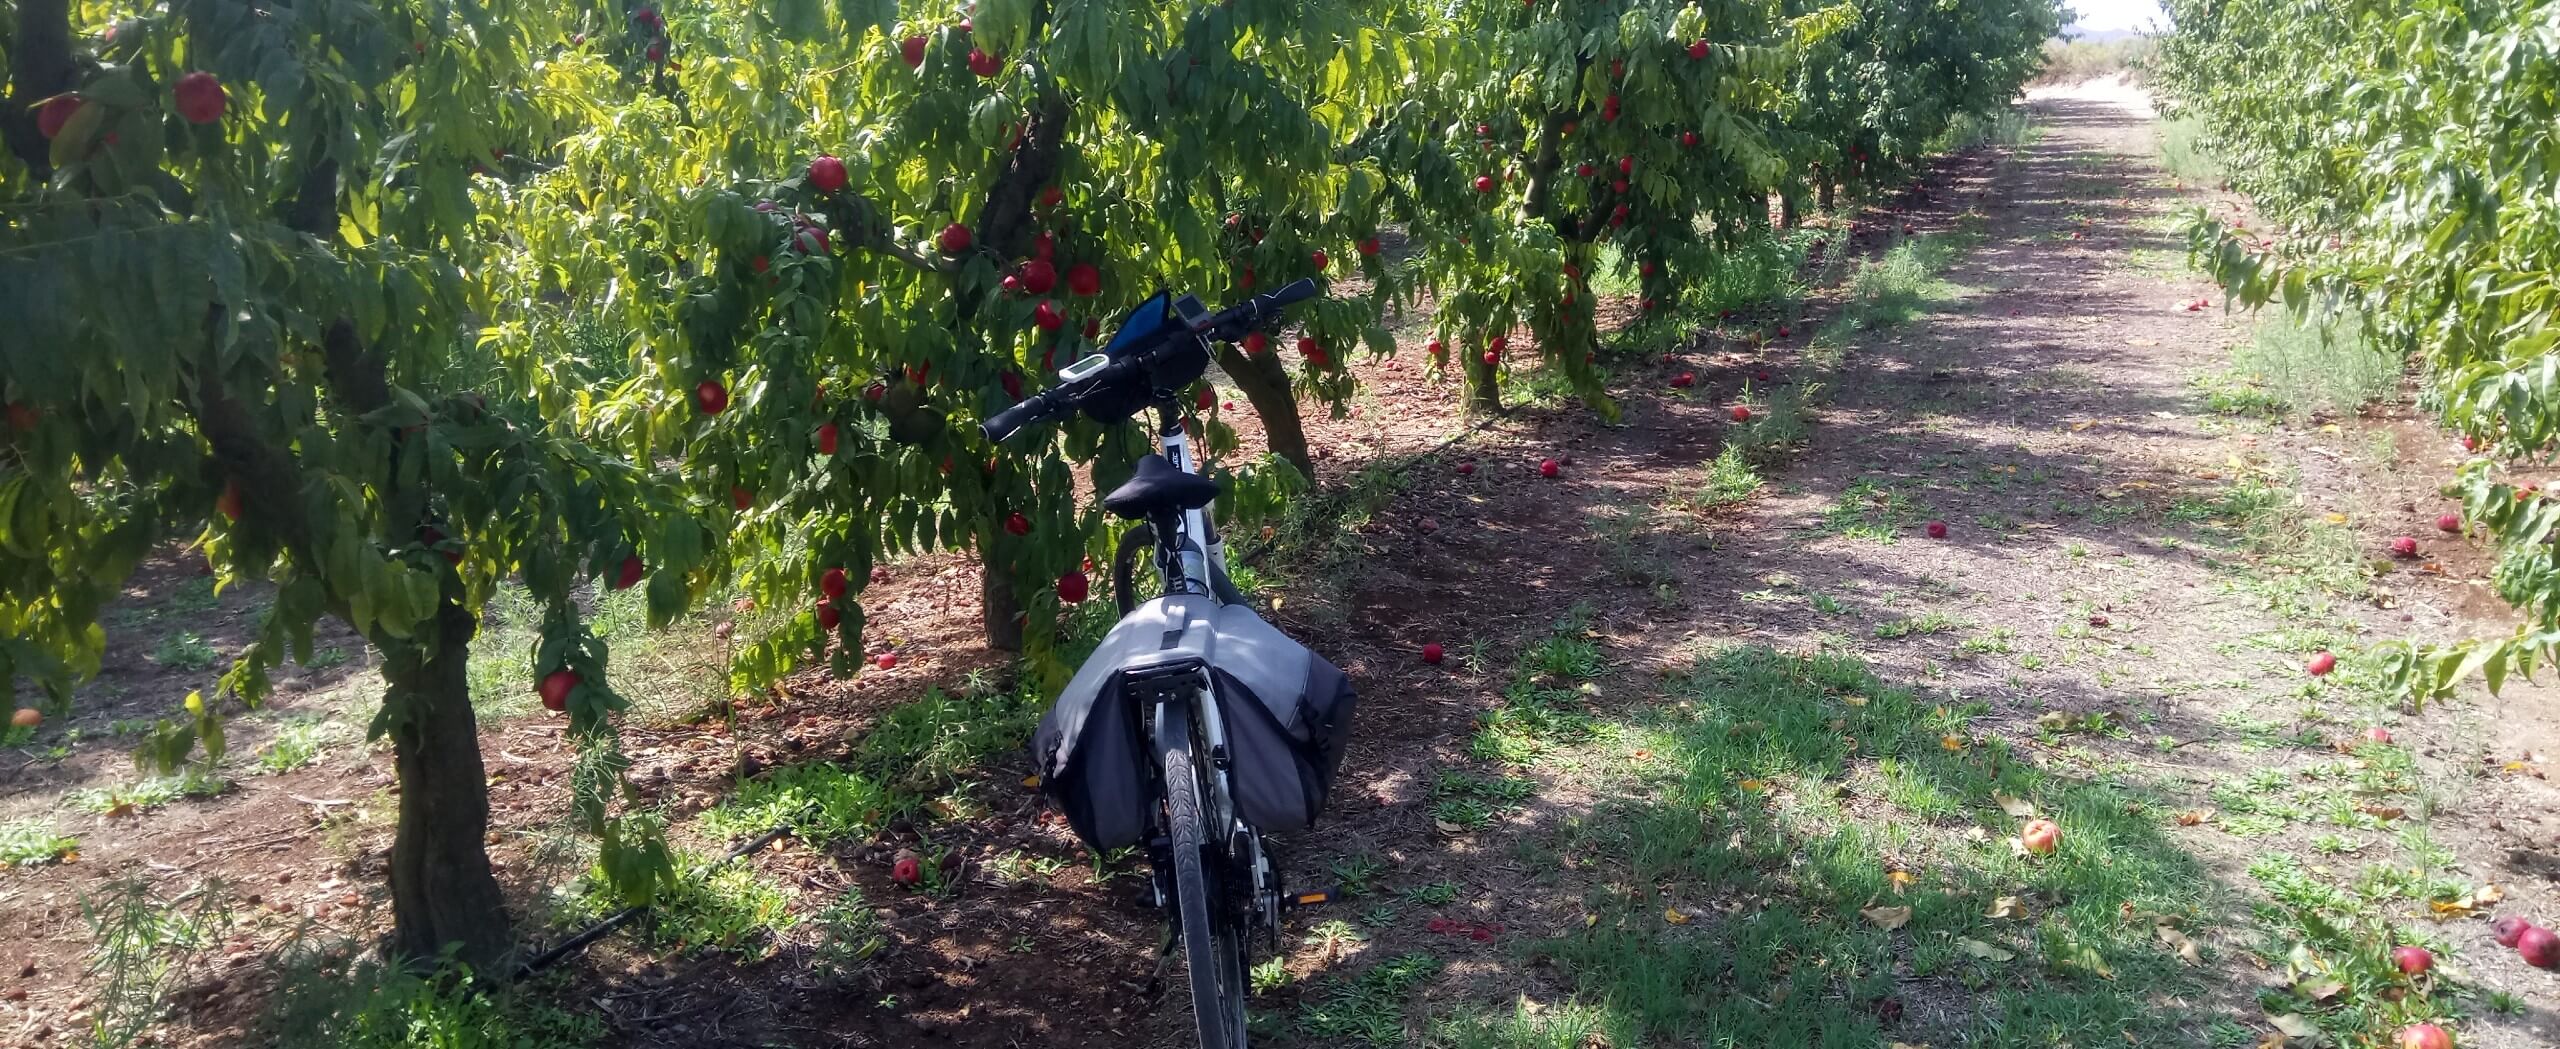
(1212, 938)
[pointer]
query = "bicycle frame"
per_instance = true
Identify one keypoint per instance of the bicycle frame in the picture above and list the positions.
(1185, 561)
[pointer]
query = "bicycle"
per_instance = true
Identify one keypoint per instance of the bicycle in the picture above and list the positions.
(1195, 728)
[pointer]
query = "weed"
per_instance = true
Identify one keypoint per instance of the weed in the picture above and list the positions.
(1270, 974)
(1755, 754)
(1353, 874)
(195, 597)
(2183, 152)
(1924, 624)
(149, 793)
(142, 947)
(327, 656)
(1869, 510)
(1436, 894)
(1564, 656)
(1730, 480)
(1018, 866)
(731, 909)
(329, 1002)
(911, 755)
(1334, 937)
(1369, 1007)
(1470, 802)
(848, 935)
(31, 841)
(297, 743)
(2290, 365)
(183, 650)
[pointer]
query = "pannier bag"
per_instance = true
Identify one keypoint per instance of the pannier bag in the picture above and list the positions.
(1287, 713)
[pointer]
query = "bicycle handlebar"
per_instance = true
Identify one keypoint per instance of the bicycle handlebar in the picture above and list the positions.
(1228, 325)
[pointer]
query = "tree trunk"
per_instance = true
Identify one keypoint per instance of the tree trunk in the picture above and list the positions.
(1484, 391)
(1265, 382)
(1827, 196)
(442, 893)
(1787, 217)
(1000, 612)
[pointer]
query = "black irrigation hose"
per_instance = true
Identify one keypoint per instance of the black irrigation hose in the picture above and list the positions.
(623, 917)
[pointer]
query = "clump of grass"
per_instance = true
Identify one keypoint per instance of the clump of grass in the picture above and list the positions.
(142, 947)
(31, 841)
(297, 743)
(1730, 479)
(1869, 510)
(1757, 758)
(1470, 801)
(150, 793)
(1370, 1007)
(913, 754)
(2183, 152)
(729, 908)
(183, 650)
(2316, 365)
(848, 935)
(325, 1000)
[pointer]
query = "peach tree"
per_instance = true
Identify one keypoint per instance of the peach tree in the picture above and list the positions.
(2402, 152)
(1561, 129)
(238, 264)
(860, 230)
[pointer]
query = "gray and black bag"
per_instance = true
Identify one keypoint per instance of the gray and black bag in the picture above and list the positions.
(1287, 713)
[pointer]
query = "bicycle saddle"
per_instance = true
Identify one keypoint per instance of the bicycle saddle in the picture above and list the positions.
(1159, 488)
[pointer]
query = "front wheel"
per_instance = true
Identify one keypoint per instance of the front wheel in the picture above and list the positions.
(1212, 940)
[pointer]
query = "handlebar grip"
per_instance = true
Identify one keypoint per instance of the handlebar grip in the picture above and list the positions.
(1015, 418)
(1296, 291)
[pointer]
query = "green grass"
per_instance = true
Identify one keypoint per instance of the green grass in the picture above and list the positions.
(297, 743)
(915, 752)
(183, 650)
(328, 1002)
(1730, 480)
(150, 793)
(1760, 274)
(31, 841)
(1470, 801)
(1869, 510)
(1754, 756)
(1894, 289)
(668, 675)
(145, 941)
(1367, 1008)
(2182, 152)
(2008, 126)
(2324, 366)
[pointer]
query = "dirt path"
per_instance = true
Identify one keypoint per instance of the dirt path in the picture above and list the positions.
(2124, 600)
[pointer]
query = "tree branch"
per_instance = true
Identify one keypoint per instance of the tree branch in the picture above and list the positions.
(42, 67)
(269, 480)
(356, 376)
(314, 207)
(1004, 221)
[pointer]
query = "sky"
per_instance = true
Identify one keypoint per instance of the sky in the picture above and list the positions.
(2117, 14)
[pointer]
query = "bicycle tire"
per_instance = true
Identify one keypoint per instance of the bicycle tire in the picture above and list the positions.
(1214, 961)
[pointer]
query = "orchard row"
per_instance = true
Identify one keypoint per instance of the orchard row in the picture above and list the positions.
(398, 303)
(2435, 245)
